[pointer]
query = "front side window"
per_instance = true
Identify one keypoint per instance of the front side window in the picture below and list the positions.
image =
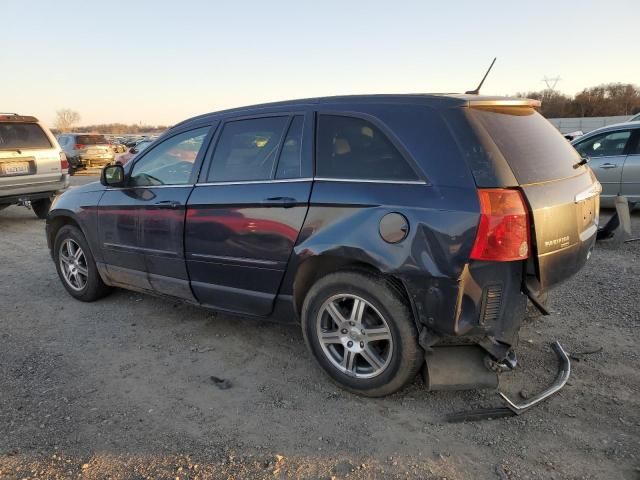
(171, 161)
(354, 148)
(604, 145)
(247, 149)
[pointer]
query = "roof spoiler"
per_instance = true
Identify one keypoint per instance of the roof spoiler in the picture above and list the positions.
(513, 102)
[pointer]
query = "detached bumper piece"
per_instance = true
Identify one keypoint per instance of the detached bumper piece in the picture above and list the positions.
(514, 408)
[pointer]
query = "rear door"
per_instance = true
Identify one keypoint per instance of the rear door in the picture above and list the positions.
(563, 197)
(244, 215)
(630, 182)
(607, 152)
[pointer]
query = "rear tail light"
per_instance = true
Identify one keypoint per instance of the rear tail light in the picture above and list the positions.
(64, 163)
(503, 232)
(78, 146)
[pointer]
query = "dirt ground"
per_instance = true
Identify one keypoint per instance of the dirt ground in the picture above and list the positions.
(121, 388)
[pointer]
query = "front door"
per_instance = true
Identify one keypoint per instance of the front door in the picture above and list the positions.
(244, 216)
(142, 225)
(607, 152)
(630, 183)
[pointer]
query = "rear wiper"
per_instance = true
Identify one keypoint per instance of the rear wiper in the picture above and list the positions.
(583, 161)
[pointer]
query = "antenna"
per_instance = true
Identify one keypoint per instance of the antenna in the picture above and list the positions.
(477, 90)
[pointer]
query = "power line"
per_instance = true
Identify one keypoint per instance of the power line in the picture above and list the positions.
(551, 82)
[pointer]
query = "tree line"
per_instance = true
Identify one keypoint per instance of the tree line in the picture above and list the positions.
(66, 120)
(601, 101)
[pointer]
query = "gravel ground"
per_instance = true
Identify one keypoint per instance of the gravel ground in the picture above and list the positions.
(121, 388)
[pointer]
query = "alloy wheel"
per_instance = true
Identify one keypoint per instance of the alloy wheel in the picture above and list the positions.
(73, 264)
(354, 335)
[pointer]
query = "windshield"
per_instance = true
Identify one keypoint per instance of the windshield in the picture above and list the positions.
(91, 140)
(534, 149)
(17, 135)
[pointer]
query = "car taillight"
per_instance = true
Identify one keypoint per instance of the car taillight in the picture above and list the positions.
(64, 163)
(78, 146)
(503, 232)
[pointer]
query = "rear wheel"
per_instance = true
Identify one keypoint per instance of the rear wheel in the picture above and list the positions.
(361, 332)
(41, 207)
(76, 266)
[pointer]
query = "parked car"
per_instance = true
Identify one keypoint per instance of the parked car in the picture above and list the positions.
(86, 150)
(614, 153)
(32, 165)
(573, 135)
(133, 151)
(118, 147)
(386, 225)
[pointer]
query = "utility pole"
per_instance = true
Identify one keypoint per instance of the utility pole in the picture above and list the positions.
(551, 82)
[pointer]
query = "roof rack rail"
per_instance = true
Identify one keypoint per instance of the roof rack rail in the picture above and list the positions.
(8, 113)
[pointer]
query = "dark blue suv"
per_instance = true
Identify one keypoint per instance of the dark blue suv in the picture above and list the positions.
(388, 225)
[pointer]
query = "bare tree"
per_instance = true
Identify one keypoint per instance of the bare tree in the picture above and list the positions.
(66, 118)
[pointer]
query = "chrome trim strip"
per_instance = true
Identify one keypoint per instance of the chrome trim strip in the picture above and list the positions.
(592, 191)
(189, 185)
(358, 180)
(118, 246)
(256, 182)
(233, 259)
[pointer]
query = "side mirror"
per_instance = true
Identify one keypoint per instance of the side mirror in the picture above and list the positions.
(112, 176)
(133, 150)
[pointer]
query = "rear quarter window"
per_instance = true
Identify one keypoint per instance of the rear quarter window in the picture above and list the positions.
(534, 149)
(354, 148)
(17, 135)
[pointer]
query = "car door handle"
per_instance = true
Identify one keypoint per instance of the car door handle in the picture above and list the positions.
(286, 202)
(167, 204)
(608, 165)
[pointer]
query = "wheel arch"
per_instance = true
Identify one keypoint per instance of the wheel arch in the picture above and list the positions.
(56, 221)
(318, 266)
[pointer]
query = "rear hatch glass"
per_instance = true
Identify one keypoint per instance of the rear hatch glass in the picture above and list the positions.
(534, 149)
(563, 200)
(91, 140)
(19, 135)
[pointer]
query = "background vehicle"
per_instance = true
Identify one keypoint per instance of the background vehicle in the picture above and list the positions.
(134, 150)
(32, 165)
(118, 147)
(389, 225)
(635, 118)
(614, 153)
(86, 150)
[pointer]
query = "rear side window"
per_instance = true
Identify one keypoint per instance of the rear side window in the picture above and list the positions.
(289, 163)
(534, 149)
(247, 149)
(354, 148)
(22, 135)
(604, 145)
(91, 139)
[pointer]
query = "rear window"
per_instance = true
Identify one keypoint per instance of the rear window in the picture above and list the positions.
(22, 135)
(534, 149)
(91, 139)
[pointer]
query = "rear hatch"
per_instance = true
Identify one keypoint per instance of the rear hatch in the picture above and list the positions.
(563, 198)
(27, 153)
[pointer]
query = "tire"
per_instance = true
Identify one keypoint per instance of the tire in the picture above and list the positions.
(41, 207)
(397, 356)
(92, 288)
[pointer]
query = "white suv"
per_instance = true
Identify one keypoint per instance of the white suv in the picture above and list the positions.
(33, 167)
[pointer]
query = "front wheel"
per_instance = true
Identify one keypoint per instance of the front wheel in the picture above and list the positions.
(76, 267)
(362, 333)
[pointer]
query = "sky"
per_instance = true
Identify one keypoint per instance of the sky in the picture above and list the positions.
(159, 62)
